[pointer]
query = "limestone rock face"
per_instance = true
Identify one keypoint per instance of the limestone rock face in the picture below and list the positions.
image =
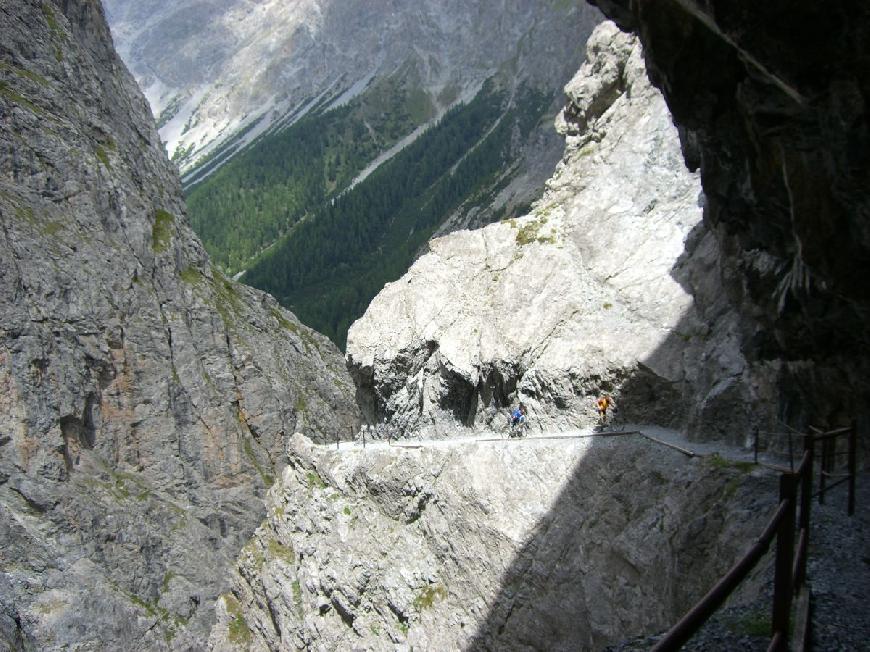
(560, 544)
(144, 399)
(772, 100)
(590, 292)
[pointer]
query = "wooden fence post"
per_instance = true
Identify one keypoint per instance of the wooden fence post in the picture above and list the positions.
(806, 505)
(823, 471)
(782, 582)
(853, 464)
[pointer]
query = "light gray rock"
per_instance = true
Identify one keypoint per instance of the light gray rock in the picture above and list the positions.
(558, 544)
(144, 399)
(590, 292)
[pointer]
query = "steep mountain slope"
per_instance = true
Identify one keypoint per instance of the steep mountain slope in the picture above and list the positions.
(302, 125)
(328, 268)
(591, 292)
(212, 68)
(145, 398)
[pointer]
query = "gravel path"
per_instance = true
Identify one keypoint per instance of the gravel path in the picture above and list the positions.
(838, 573)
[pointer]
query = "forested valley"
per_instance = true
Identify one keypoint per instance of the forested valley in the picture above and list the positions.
(251, 201)
(278, 211)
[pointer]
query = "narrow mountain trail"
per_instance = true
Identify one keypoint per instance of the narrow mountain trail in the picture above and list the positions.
(662, 436)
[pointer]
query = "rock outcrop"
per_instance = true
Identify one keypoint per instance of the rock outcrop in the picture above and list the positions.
(559, 544)
(145, 399)
(591, 292)
(772, 101)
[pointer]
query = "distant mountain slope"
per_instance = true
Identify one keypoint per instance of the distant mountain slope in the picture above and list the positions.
(287, 124)
(214, 68)
(330, 266)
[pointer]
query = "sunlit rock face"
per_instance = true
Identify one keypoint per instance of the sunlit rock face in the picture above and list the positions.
(591, 292)
(145, 401)
(772, 100)
(553, 544)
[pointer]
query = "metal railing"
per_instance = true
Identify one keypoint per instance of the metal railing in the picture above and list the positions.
(790, 564)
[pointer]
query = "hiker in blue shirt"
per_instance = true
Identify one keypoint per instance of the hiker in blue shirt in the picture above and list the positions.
(518, 416)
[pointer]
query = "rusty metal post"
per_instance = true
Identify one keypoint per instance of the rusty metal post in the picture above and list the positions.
(364, 436)
(853, 464)
(782, 582)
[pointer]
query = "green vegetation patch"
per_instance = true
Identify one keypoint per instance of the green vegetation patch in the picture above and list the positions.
(191, 276)
(278, 550)
(161, 232)
(428, 596)
(24, 74)
(238, 631)
(104, 157)
(226, 299)
(719, 462)
(284, 322)
(531, 232)
(167, 578)
(52, 228)
(331, 264)
(297, 597)
(169, 112)
(17, 98)
(314, 480)
(256, 554)
(50, 18)
(260, 194)
(267, 478)
(25, 213)
(752, 624)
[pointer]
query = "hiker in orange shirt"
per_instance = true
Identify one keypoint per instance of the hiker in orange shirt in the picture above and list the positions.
(603, 403)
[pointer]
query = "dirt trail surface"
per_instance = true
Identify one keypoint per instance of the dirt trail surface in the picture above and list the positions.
(662, 436)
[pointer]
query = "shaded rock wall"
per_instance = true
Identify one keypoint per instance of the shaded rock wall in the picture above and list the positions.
(144, 399)
(772, 103)
(552, 544)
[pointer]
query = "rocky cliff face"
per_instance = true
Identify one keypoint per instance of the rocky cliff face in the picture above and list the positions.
(145, 399)
(591, 292)
(772, 101)
(560, 544)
